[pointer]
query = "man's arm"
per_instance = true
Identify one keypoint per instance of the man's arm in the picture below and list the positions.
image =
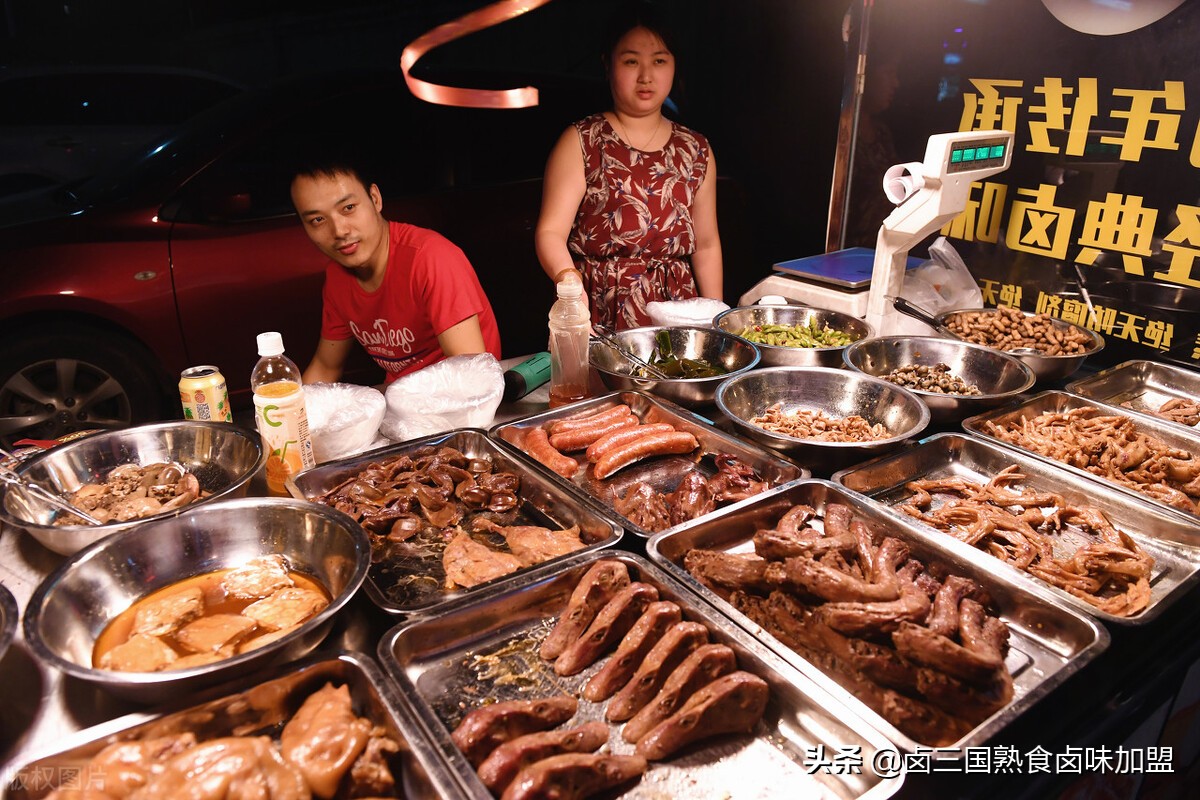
(462, 338)
(329, 360)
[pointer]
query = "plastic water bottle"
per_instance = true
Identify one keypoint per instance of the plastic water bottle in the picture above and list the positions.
(570, 329)
(279, 413)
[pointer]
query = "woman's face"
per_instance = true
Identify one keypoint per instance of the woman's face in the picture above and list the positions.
(641, 70)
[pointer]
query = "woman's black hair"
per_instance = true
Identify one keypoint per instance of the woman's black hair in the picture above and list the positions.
(632, 14)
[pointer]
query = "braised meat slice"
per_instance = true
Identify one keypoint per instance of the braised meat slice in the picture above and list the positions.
(727, 572)
(572, 776)
(257, 578)
(499, 769)
(597, 586)
(649, 628)
(611, 624)
(324, 737)
(778, 544)
(733, 703)
(140, 653)
(219, 769)
(214, 632)
(124, 767)
(167, 614)
(533, 544)
(706, 663)
(943, 616)
(286, 608)
(484, 729)
(676, 644)
(469, 563)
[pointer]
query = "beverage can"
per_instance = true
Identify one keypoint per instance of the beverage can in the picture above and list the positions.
(283, 425)
(204, 396)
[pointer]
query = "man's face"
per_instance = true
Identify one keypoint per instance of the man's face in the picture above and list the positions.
(343, 218)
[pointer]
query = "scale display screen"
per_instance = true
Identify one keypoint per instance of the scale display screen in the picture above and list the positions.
(976, 155)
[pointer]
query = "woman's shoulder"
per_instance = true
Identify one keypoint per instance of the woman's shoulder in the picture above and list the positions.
(590, 123)
(692, 138)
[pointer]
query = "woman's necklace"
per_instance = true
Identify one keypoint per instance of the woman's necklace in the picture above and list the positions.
(629, 140)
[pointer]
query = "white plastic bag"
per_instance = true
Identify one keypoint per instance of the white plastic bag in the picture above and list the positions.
(459, 392)
(697, 312)
(942, 284)
(343, 418)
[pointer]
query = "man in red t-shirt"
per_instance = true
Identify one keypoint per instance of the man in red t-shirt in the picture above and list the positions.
(406, 294)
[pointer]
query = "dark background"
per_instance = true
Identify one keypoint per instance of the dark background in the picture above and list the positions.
(761, 78)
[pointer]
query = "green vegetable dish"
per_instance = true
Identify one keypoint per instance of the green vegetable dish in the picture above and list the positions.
(674, 367)
(796, 335)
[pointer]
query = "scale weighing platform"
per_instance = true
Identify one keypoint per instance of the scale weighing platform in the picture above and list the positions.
(837, 281)
(927, 194)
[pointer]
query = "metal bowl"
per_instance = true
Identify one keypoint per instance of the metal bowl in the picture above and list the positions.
(9, 615)
(736, 319)
(733, 353)
(999, 376)
(224, 457)
(1046, 368)
(76, 602)
(838, 393)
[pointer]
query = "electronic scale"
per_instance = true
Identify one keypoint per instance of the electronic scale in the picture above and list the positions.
(927, 195)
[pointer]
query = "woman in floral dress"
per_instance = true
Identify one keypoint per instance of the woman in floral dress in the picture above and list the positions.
(630, 197)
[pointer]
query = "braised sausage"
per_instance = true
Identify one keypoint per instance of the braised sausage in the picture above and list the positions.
(538, 445)
(582, 437)
(668, 653)
(573, 776)
(486, 728)
(733, 703)
(610, 440)
(600, 419)
(598, 585)
(498, 771)
(705, 664)
(652, 444)
(611, 624)
(649, 628)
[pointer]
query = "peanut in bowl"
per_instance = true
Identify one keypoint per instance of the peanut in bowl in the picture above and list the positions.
(1051, 347)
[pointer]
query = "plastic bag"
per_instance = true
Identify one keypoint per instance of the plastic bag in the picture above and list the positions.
(459, 392)
(343, 419)
(697, 312)
(941, 284)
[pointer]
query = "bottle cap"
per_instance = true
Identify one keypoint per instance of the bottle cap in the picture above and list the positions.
(270, 344)
(569, 289)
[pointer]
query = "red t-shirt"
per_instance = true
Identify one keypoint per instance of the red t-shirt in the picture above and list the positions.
(429, 287)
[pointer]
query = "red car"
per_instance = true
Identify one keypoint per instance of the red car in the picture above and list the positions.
(180, 257)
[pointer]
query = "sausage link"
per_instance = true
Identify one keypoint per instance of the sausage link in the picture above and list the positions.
(652, 444)
(582, 437)
(610, 440)
(599, 418)
(538, 446)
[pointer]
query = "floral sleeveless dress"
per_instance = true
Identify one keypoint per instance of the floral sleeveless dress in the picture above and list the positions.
(633, 238)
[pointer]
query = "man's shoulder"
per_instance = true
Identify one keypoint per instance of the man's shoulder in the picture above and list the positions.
(415, 239)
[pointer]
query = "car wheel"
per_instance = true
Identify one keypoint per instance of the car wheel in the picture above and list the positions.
(51, 386)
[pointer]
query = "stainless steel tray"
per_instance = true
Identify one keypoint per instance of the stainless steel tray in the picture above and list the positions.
(1167, 432)
(487, 650)
(258, 707)
(1143, 385)
(543, 501)
(1047, 642)
(663, 473)
(952, 455)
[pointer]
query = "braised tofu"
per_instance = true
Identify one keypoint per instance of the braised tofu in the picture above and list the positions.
(258, 578)
(286, 608)
(210, 634)
(169, 613)
(142, 653)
